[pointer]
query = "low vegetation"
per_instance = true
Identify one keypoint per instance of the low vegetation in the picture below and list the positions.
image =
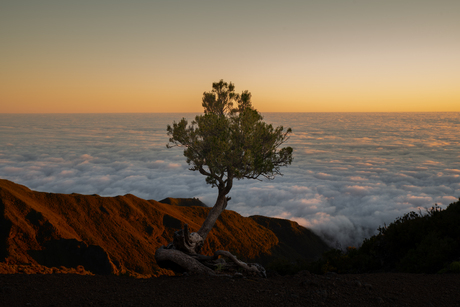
(417, 242)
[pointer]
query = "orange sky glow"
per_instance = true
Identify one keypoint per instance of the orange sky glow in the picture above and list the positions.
(160, 56)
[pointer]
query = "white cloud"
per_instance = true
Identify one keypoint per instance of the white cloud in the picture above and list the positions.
(357, 178)
(351, 172)
(419, 201)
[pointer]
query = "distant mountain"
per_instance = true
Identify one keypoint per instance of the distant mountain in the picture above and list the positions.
(120, 234)
(183, 202)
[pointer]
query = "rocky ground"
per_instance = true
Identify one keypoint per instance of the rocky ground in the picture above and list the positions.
(303, 289)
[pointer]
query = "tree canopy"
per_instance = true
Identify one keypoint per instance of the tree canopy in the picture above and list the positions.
(231, 140)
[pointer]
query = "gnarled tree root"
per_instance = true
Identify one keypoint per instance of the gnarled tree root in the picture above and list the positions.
(183, 255)
(178, 261)
(189, 243)
(248, 267)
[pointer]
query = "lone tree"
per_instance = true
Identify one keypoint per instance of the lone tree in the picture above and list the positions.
(229, 141)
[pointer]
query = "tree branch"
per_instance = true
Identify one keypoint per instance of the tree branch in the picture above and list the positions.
(204, 172)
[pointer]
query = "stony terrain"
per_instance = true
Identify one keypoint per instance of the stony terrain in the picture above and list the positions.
(303, 289)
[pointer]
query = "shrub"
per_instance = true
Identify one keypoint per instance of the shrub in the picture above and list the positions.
(416, 243)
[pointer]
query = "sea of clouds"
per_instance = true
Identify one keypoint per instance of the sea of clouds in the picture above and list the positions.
(352, 172)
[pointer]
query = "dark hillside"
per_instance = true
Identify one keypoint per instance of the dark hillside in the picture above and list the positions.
(296, 242)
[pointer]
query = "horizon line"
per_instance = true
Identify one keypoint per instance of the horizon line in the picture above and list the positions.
(56, 113)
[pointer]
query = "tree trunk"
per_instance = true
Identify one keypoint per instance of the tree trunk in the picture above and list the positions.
(183, 253)
(213, 215)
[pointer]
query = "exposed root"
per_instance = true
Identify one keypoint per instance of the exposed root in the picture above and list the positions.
(180, 262)
(249, 267)
(182, 255)
(189, 243)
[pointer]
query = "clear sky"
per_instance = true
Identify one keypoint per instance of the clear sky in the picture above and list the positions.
(294, 56)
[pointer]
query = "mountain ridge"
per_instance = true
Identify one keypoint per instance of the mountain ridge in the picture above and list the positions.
(119, 235)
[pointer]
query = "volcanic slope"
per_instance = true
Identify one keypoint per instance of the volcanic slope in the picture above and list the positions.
(120, 234)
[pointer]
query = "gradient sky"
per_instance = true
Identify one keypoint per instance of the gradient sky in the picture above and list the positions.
(294, 56)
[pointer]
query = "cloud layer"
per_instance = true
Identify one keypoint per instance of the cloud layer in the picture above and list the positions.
(351, 173)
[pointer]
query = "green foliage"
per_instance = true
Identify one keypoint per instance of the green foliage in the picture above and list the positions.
(228, 142)
(415, 243)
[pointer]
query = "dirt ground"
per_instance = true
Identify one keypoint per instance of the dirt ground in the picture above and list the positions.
(303, 289)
